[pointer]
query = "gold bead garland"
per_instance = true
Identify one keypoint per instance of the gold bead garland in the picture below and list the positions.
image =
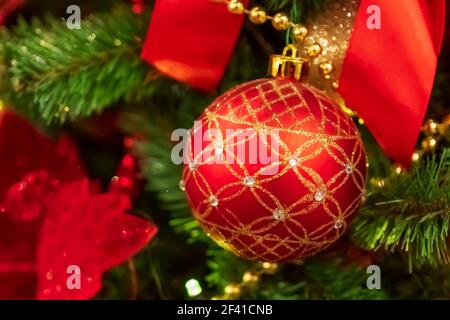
(258, 15)
(236, 7)
(433, 133)
(250, 279)
(299, 32)
(314, 50)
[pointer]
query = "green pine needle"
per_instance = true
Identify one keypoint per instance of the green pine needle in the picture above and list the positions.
(316, 278)
(54, 73)
(410, 215)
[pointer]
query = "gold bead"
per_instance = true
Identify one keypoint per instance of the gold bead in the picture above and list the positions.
(299, 32)
(430, 127)
(250, 278)
(416, 156)
(398, 169)
(314, 50)
(236, 7)
(429, 143)
(257, 15)
(335, 84)
(269, 267)
(233, 290)
(378, 182)
(281, 21)
(326, 68)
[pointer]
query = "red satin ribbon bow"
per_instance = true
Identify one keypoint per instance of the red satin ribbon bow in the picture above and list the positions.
(387, 74)
(192, 40)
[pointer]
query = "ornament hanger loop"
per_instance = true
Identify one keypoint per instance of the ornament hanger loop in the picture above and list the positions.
(293, 49)
(288, 64)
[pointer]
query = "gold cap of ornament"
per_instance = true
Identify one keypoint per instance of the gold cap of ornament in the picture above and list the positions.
(288, 64)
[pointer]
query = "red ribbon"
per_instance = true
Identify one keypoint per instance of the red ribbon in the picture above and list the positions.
(7, 7)
(387, 74)
(192, 40)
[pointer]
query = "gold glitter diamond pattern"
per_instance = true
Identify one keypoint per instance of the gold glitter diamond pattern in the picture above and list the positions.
(268, 105)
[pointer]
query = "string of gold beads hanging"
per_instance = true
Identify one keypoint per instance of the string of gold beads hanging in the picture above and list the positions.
(258, 15)
(250, 279)
(434, 132)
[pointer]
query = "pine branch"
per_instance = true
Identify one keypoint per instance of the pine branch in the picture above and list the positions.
(225, 268)
(53, 73)
(428, 282)
(410, 215)
(326, 277)
(335, 279)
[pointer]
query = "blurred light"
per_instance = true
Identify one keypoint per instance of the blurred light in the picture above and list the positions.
(193, 288)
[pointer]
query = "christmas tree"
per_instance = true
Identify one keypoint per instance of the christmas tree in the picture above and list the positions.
(96, 202)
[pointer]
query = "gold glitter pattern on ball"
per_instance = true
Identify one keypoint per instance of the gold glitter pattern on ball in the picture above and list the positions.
(256, 239)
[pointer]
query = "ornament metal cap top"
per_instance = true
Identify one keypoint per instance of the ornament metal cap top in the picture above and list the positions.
(288, 64)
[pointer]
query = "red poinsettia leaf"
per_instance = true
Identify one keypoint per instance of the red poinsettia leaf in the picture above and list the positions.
(90, 233)
(20, 219)
(24, 150)
(25, 200)
(17, 285)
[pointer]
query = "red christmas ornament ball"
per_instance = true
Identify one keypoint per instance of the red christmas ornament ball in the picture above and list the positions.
(274, 170)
